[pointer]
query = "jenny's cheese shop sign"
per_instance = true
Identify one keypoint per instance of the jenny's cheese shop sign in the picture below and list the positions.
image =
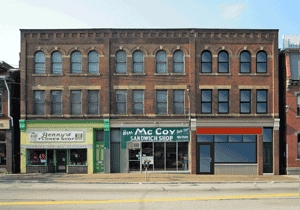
(57, 136)
(155, 134)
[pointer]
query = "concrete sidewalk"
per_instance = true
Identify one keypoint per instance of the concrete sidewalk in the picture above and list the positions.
(144, 178)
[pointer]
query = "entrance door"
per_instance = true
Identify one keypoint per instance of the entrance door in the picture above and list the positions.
(267, 157)
(205, 163)
(115, 157)
(61, 160)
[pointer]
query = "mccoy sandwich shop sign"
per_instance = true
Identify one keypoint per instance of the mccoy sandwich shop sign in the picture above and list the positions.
(155, 134)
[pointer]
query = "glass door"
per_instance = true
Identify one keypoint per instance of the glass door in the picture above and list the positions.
(205, 159)
(61, 160)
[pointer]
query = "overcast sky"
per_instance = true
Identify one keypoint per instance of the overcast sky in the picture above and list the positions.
(43, 14)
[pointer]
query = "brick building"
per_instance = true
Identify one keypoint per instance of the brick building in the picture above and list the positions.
(199, 101)
(9, 117)
(290, 91)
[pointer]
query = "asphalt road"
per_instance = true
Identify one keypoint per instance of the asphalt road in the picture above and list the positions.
(16, 195)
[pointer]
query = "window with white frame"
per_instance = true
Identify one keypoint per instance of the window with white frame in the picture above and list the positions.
(39, 102)
(138, 102)
(161, 102)
(76, 67)
(39, 63)
(93, 102)
(178, 102)
(93, 66)
(138, 62)
(56, 102)
(261, 101)
(161, 62)
(245, 101)
(223, 101)
(76, 102)
(121, 62)
(56, 63)
(178, 62)
(121, 98)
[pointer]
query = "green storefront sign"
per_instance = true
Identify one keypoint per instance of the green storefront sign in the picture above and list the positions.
(155, 134)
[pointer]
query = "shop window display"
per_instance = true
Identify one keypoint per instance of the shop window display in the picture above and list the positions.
(37, 157)
(78, 157)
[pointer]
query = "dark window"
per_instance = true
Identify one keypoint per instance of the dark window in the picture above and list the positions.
(206, 62)
(121, 98)
(76, 102)
(261, 101)
(245, 101)
(223, 101)
(56, 63)
(76, 63)
(206, 101)
(178, 102)
(78, 157)
(261, 62)
(245, 62)
(267, 134)
(161, 102)
(223, 62)
(138, 101)
(138, 62)
(56, 102)
(93, 101)
(39, 101)
(99, 135)
(93, 63)
(161, 62)
(39, 63)
(298, 105)
(1, 101)
(2, 154)
(178, 64)
(121, 62)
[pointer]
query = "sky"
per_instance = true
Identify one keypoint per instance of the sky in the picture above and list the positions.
(66, 14)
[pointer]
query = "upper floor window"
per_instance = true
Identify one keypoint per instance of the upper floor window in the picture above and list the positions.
(223, 62)
(178, 64)
(223, 101)
(56, 63)
(93, 62)
(121, 62)
(206, 101)
(298, 104)
(138, 101)
(178, 102)
(76, 102)
(76, 63)
(39, 102)
(1, 101)
(138, 62)
(161, 102)
(206, 62)
(261, 62)
(245, 101)
(56, 102)
(121, 98)
(39, 63)
(245, 62)
(261, 101)
(93, 101)
(161, 62)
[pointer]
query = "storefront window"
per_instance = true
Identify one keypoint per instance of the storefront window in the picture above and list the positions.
(182, 156)
(2, 154)
(36, 157)
(134, 160)
(78, 157)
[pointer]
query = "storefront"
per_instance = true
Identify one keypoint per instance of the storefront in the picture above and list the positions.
(66, 146)
(160, 149)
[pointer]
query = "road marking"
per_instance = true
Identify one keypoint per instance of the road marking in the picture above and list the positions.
(147, 200)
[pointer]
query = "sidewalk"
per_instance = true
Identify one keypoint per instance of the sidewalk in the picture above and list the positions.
(129, 178)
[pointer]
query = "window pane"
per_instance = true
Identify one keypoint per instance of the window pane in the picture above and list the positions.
(39, 68)
(76, 68)
(76, 102)
(261, 57)
(56, 57)
(161, 56)
(138, 108)
(39, 102)
(138, 96)
(223, 95)
(239, 152)
(206, 68)
(56, 68)
(121, 96)
(161, 96)
(56, 102)
(261, 108)
(138, 102)
(223, 68)
(245, 67)
(235, 138)
(178, 95)
(267, 134)
(178, 108)
(178, 56)
(161, 108)
(39, 57)
(93, 68)
(245, 108)
(206, 108)
(205, 138)
(206, 57)
(93, 101)
(138, 68)
(206, 95)
(249, 138)
(2, 154)
(223, 57)
(121, 68)
(161, 68)
(99, 135)
(121, 56)
(76, 57)
(245, 95)
(121, 108)
(178, 67)
(245, 57)
(138, 56)
(221, 138)
(261, 67)
(261, 96)
(223, 108)
(93, 57)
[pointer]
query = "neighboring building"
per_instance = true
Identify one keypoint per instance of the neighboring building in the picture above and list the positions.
(200, 101)
(290, 91)
(9, 117)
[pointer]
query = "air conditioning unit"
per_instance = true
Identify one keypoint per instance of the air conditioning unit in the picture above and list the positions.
(134, 145)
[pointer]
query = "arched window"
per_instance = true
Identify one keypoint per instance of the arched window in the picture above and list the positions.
(138, 62)
(76, 62)
(223, 63)
(178, 64)
(261, 62)
(161, 62)
(39, 63)
(93, 63)
(121, 62)
(56, 63)
(245, 62)
(206, 62)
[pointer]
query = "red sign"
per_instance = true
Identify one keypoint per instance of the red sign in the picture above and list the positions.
(229, 130)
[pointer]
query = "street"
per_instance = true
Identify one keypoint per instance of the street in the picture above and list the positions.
(17, 195)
